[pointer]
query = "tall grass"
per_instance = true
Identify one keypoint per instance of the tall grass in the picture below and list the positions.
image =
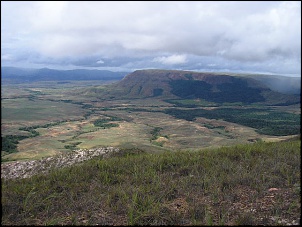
(208, 187)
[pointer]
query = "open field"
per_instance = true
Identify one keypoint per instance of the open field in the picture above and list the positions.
(19, 112)
(62, 121)
(174, 134)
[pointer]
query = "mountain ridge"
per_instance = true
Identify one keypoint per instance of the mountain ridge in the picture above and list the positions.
(212, 87)
(14, 74)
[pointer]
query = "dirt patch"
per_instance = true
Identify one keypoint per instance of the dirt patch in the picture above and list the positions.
(178, 205)
(161, 139)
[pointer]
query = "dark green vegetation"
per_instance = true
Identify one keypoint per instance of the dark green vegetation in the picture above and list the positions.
(72, 146)
(236, 90)
(155, 133)
(9, 143)
(255, 184)
(104, 123)
(211, 87)
(266, 121)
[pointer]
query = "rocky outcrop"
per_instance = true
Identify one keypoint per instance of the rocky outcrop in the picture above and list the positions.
(25, 169)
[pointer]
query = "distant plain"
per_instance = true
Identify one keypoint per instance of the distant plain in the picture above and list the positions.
(73, 114)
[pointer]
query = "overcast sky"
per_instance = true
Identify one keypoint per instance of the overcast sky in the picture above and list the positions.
(252, 36)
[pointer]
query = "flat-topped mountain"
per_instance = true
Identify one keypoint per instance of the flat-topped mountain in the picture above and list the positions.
(211, 87)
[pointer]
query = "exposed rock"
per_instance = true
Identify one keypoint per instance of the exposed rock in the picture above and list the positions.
(25, 169)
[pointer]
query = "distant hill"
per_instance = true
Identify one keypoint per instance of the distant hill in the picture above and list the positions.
(212, 87)
(12, 74)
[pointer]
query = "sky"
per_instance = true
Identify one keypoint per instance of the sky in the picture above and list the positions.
(213, 36)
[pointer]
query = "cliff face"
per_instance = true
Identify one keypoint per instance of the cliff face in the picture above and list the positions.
(213, 87)
(186, 84)
(146, 83)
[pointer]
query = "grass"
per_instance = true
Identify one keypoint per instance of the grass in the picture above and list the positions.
(224, 186)
(264, 120)
(27, 110)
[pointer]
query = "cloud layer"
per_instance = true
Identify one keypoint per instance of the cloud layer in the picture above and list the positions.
(251, 36)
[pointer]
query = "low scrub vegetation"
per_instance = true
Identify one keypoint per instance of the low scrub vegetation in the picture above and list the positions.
(252, 184)
(10, 142)
(266, 121)
(104, 123)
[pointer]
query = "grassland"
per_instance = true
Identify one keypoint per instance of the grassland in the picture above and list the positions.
(63, 120)
(24, 112)
(247, 184)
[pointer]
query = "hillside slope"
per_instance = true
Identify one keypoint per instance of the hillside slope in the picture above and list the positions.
(211, 87)
(256, 184)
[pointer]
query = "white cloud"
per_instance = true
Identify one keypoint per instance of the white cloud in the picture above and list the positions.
(100, 62)
(171, 60)
(6, 57)
(256, 31)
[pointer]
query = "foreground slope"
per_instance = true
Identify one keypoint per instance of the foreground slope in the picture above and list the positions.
(255, 184)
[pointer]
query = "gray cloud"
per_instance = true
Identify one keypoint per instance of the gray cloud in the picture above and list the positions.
(171, 60)
(233, 35)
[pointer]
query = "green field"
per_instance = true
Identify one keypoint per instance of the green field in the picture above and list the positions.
(22, 110)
